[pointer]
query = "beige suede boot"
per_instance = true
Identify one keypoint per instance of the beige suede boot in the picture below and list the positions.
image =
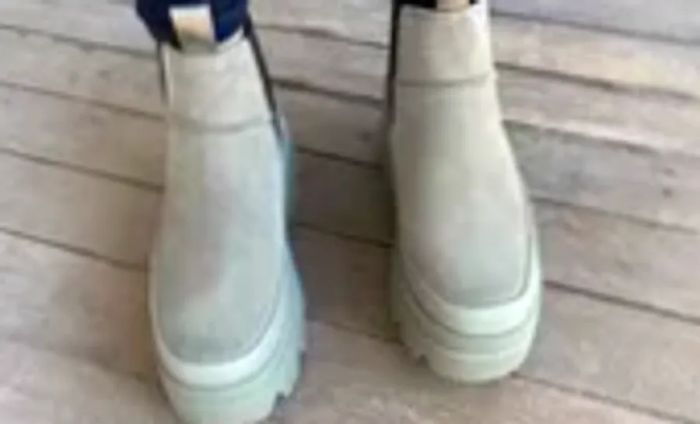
(466, 277)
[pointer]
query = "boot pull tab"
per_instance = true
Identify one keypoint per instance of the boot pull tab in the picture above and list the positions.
(194, 26)
(448, 5)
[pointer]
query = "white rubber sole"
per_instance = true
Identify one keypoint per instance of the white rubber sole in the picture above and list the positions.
(463, 356)
(253, 398)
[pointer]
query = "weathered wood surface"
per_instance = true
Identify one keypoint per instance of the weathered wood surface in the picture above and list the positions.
(607, 138)
(647, 19)
(656, 186)
(110, 352)
(671, 19)
(538, 65)
(340, 197)
(113, 220)
(542, 45)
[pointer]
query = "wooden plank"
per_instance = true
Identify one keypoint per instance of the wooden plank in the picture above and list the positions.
(345, 199)
(47, 388)
(365, 19)
(59, 214)
(341, 129)
(59, 301)
(346, 282)
(546, 46)
(130, 146)
(576, 350)
(99, 201)
(95, 314)
(39, 387)
(352, 379)
(674, 19)
(60, 204)
(611, 257)
(577, 372)
(592, 55)
(660, 187)
(88, 309)
(28, 189)
(634, 182)
(128, 81)
(573, 105)
(639, 357)
(621, 117)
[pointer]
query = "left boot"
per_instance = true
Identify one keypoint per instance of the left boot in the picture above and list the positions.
(224, 294)
(466, 277)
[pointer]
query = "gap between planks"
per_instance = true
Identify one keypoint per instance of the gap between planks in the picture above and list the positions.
(58, 182)
(523, 43)
(125, 150)
(125, 308)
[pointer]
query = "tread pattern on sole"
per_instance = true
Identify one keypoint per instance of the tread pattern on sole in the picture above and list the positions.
(418, 332)
(251, 400)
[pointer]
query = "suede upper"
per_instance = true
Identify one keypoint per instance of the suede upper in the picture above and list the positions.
(218, 267)
(463, 219)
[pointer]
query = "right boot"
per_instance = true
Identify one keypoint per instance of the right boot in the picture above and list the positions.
(225, 299)
(466, 278)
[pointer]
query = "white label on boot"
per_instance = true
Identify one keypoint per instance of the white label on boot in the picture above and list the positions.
(194, 25)
(452, 4)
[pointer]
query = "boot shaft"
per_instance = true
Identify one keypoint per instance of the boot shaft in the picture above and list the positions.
(438, 40)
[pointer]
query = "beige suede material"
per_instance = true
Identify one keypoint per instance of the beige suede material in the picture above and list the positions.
(463, 218)
(218, 266)
(443, 46)
(221, 88)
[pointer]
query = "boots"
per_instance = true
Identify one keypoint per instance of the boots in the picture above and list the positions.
(466, 273)
(225, 299)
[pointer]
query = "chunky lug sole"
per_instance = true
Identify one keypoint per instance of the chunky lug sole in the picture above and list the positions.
(475, 356)
(254, 397)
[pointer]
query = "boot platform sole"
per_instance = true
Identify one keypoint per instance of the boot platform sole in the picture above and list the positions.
(457, 355)
(254, 398)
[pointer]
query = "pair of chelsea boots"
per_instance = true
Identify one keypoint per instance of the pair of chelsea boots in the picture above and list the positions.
(225, 296)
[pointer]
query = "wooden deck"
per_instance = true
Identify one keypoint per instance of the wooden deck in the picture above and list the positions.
(602, 99)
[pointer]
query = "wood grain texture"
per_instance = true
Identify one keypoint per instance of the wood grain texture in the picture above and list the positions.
(95, 202)
(538, 44)
(670, 20)
(542, 45)
(358, 380)
(341, 198)
(607, 349)
(92, 317)
(41, 387)
(577, 348)
(594, 91)
(608, 256)
(348, 379)
(112, 219)
(599, 174)
(607, 139)
(87, 309)
(674, 19)
(115, 219)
